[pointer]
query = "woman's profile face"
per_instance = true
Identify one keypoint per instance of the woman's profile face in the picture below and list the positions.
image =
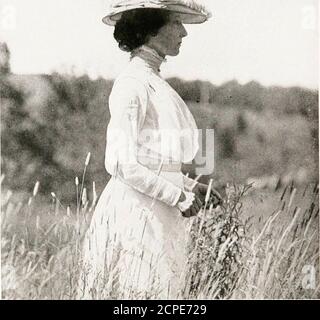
(169, 37)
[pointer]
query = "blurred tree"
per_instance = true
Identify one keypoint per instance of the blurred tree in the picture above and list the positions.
(241, 123)
(227, 138)
(4, 59)
(252, 96)
(205, 88)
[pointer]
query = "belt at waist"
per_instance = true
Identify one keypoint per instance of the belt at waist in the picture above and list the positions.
(174, 167)
(153, 164)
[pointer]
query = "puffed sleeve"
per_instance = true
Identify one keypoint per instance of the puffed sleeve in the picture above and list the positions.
(189, 183)
(128, 104)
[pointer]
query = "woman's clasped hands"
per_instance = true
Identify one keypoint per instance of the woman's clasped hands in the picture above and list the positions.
(190, 203)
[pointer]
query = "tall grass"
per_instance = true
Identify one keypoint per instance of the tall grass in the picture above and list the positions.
(229, 257)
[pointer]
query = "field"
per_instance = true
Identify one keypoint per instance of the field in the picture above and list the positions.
(262, 243)
(267, 248)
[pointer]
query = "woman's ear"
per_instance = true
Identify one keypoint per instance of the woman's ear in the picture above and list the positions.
(152, 41)
(151, 38)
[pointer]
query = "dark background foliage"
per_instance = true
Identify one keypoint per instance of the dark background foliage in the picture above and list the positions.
(50, 122)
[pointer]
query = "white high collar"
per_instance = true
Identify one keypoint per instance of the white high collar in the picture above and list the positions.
(150, 56)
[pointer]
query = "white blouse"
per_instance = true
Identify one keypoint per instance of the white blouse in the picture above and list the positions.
(150, 125)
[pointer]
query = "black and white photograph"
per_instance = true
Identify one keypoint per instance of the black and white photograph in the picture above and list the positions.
(159, 150)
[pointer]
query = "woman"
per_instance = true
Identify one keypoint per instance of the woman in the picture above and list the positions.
(136, 244)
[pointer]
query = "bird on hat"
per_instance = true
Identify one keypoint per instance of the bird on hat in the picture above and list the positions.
(190, 11)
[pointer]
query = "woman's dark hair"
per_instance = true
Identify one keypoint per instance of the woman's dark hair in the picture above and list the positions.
(135, 27)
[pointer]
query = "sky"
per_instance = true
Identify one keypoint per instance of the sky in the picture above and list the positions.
(274, 42)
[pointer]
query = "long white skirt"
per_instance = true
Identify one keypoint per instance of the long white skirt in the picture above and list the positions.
(135, 247)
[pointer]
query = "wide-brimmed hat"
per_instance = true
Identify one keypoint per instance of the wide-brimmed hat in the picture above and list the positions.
(190, 11)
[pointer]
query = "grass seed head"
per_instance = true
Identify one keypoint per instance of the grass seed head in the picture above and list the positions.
(36, 188)
(88, 159)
